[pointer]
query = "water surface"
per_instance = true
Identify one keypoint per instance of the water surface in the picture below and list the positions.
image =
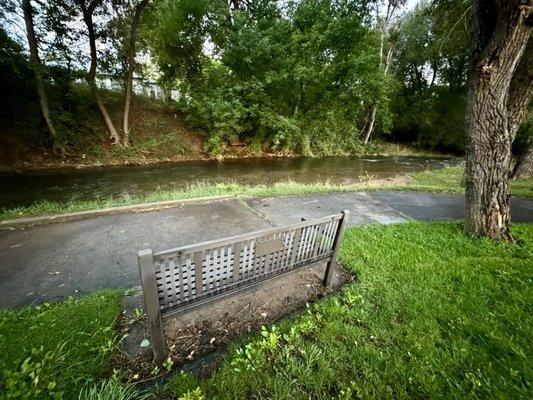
(100, 182)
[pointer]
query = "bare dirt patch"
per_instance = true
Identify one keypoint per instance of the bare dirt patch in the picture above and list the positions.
(197, 338)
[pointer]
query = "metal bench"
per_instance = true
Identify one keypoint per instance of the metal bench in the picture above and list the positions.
(177, 279)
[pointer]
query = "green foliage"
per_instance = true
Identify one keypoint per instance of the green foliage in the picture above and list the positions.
(431, 62)
(15, 73)
(111, 389)
(436, 314)
(300, 76)
(524, 136)
(176, 32)
(52, 350)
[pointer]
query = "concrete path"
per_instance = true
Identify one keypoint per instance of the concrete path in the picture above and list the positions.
(54, 261)
(376, 207)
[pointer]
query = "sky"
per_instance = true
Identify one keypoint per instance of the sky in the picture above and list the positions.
(411, 3)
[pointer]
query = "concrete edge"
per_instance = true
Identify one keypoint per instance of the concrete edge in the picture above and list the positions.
(78, 215)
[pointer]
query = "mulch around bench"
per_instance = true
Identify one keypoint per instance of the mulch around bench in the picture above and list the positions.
(196, 339)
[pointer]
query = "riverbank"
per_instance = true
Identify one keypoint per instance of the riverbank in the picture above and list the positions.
(161, 133)
(419, 322)
(190, 149)
(444, 180)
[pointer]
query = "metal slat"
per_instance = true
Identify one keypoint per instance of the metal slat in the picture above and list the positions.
(189, 276)
(181, 282)
(198, 269)
(295, 245)
(249, 236)
(237, 248)
(318, 239)
(232, 263)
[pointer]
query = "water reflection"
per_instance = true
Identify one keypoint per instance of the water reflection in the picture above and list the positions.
(69, 185)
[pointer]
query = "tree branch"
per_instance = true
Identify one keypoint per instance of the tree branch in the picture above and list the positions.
(501, 37)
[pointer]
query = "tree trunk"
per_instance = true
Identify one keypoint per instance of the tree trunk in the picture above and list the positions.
(131, 69)
(37, 66)
(384, 63)
(372, 122)
(524, 164)
(487, 164)
(499, 37)
(91, 74)
(370, 126)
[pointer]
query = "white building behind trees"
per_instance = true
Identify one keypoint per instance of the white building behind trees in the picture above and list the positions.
(141, 87)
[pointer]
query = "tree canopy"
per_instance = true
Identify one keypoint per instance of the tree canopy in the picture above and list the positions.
(314, 77)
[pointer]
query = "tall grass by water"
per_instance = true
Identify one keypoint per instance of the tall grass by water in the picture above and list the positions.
(444, 180)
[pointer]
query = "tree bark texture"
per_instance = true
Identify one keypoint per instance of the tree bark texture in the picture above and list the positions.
(87, 11)
(131, 69)
(500, 33)
(38, 69)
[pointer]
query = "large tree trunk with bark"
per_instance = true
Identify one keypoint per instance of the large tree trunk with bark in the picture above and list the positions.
(499, 89)
(87, 12)
(38, 69)
(131, 69)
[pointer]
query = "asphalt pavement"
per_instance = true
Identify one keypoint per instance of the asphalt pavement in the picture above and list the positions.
(53, 261)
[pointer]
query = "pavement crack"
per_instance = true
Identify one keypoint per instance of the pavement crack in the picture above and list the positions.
(259, 214)
(386, 205)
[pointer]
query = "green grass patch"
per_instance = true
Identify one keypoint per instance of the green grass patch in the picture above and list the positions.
(448, 180)
(199, 191)
(444, 180)
(53, 350)
(398, 149)
(437, 314)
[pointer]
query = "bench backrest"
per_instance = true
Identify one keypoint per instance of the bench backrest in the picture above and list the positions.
(176, 279)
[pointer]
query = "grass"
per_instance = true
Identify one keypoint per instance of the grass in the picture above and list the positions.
(198, 191)
(448, 180)
(398, 149)
(444, 180)
(437, 314)
(55, 350)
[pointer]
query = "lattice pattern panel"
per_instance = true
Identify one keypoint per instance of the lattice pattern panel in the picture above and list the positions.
(192, 273)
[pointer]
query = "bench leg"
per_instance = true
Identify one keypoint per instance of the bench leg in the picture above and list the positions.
(151, 301)
(336, 245)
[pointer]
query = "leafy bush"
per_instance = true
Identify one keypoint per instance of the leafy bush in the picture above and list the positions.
(302, 77)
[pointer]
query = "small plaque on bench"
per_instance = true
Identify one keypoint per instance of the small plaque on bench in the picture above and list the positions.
(268, 247)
